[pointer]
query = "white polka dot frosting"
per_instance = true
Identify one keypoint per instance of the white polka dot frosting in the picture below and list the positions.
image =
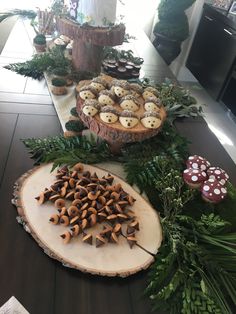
(197, 162)
(194, 177)
(218, 174)
(212, 191)
(206, 188)
(217, 191)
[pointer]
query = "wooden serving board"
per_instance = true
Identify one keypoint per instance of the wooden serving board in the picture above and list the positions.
(108, 260)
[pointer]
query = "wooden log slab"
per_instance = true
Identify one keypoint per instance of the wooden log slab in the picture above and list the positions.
(115, 132)
(108, 260)
(100, 36)
(89, 42)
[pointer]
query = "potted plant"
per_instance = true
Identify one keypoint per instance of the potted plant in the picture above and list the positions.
(62, 73)
(59, 86)
(172, 28)
(40, 42)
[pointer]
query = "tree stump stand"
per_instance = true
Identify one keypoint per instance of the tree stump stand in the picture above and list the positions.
(89, 42)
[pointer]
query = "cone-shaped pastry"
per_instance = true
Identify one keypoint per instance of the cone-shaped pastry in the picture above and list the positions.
(117, 229)
(100, 240)
(93, 195)
(75, 220)
(130, 230)
(101, 217)
(109, 178)
(84, 224)
(64, 220)
(112, 218)
(63, 211)
(73, 211)
(92, 210)
(41, 198)
(66, 236)
(107, 230)
(113, 238)
(131, 241)
(59, 203)
(88, 238)
(84, 214)
(78, 167)
(134, 224)
(75, 230)
(54, 219)
(122, 217)
(93, 220)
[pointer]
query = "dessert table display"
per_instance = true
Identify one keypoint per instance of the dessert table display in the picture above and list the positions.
(194, 269)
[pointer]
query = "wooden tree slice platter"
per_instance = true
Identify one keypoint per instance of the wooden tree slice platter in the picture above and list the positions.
(108, 260)
(115, 132)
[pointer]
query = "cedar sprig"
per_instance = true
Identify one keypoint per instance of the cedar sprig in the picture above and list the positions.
(62, 150)
(135, 157)
(41, 63)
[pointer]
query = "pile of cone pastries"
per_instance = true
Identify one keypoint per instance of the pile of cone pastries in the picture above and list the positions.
(83, 201)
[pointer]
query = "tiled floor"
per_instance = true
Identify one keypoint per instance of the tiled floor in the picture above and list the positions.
(16, 91)
(30, 96)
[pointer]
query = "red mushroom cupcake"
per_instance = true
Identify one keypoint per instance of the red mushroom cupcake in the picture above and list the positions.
(218, 174)
(213, 191)
(194, 177)
(197, 162)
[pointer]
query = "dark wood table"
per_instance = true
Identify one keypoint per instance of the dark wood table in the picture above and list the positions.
(41, 284)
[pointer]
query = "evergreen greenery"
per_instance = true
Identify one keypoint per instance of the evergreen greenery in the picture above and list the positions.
(136, 156)
(58, 82)
(74, 112)
(175, 29)
(58, 8)
(60, 71)
(75, 126)
(195, 269)
(172, 8)
(177, 100)
(77, 76)
(173, 22)
(40, 63)
(39, 39)
(112, 53)
(60, 150)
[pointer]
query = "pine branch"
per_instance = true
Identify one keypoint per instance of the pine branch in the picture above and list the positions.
(40, 63)
(168, 144)
(62, 150)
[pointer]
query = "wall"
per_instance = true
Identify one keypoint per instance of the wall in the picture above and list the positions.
(139, 13)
